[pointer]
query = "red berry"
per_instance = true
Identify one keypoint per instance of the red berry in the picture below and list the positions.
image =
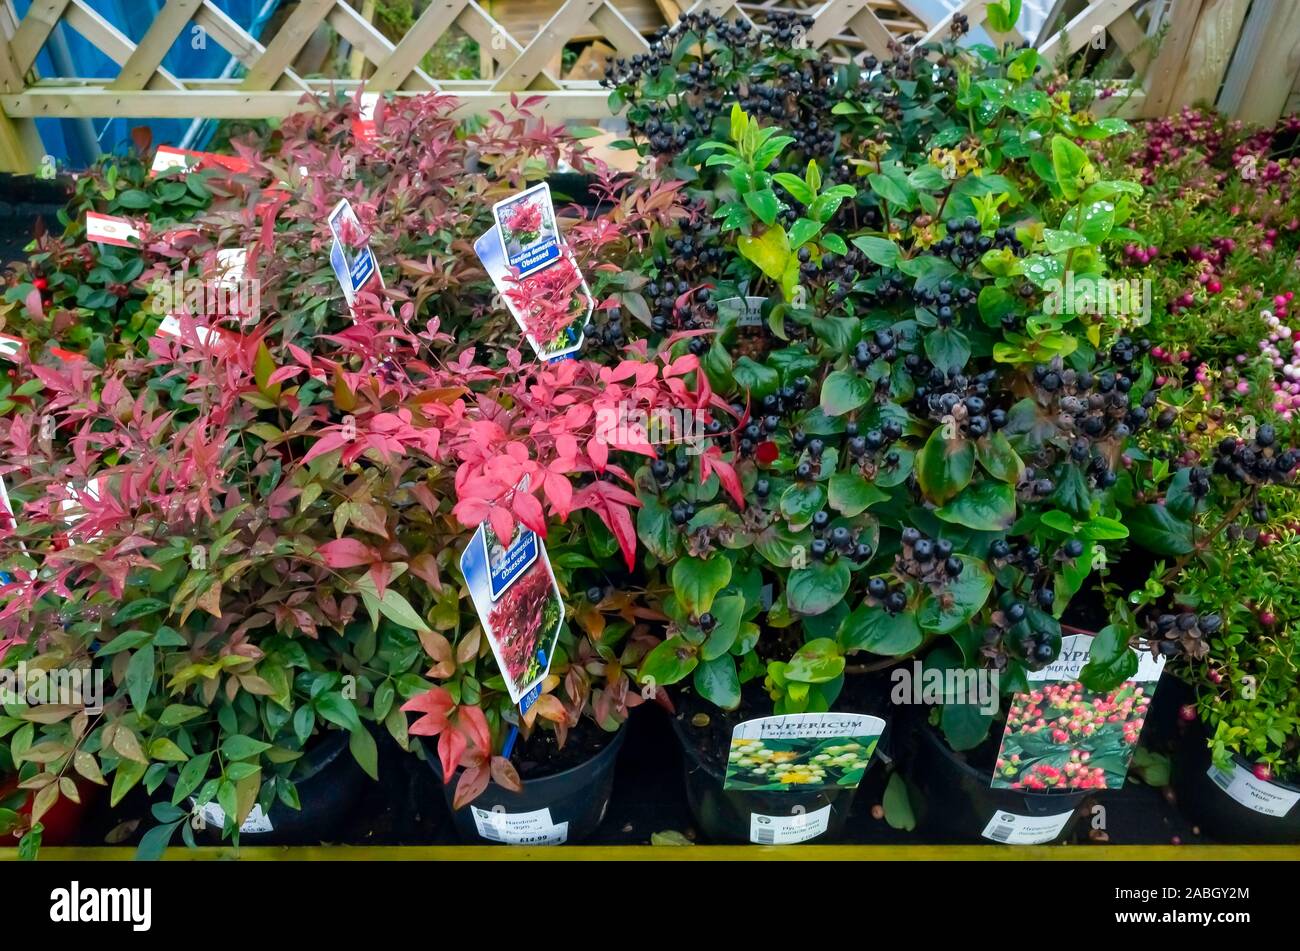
(1263, 773)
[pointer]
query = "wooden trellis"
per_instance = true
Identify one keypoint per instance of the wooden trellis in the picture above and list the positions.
(1171, 51)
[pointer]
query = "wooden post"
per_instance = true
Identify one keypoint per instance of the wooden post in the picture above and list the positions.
(1264, 66)
(21, 149)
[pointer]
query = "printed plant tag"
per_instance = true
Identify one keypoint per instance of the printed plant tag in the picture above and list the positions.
(168, 158)
(788, 830)
(746, 311)
(802, 751)
(256, 821)
(562, 284)
(1061, 735)
(520, 828)
(363, 127)
(1245, 787)
(350, 256)
(11, 347)
(110, 229)
(8, 522)
(529, 235)
(518, 603)
(1008, 828)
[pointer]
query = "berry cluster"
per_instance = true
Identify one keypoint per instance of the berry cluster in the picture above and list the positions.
(829, 542)
(768, 416)
(943, 301)
(1186, 633)
(965, 244)
(929, 561)
(956, 396)
(841, 271)
(1257, 461)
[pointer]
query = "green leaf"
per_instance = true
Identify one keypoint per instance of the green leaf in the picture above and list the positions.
(844, 391)
(135, 199)
(880, 251)
(897, 806)
(154, 842)
(697, 581)
(851, 494)
(128, 773)
(1159, 531)
(876, 630)
(769, 251)
(339, 710)
(716, 680)
(655, 528)
(816, 662)
(139, 677)
(364, 751)
(897, 192)
(998, 458)
(764, 204)
(803, 231)
(141, 607)
(727, 612)
(964, 725)
(944, 467)
(801, 501)
(984, 506)
(1110, 661)
(191, 776)
(755, 378)
(835, 244)
(1069, 163)
(668, 663)
(242, 747)
(177, 713)
(391, 605)
(959, 601)
(796, 186)
(817, 588)
(947, 348)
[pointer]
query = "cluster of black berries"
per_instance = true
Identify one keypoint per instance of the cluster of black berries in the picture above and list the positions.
(943, 301)
(838, 541)
(927, 560)
(843, 271)
(1029, 560)
(1186, 633)
(893, 598)
(891, 286)
(696, 312)
(964, 244)
(1035, 645)
(815, 447)
(964, 399)
(883, 344)
(668, 470)
(1257, 461)
(606, 329)
(768, 416)
(862, 445)
(682, 512)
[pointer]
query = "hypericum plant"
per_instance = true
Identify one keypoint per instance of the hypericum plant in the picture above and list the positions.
(932, 431)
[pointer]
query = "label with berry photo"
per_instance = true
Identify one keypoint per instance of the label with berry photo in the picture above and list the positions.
(788, 830)
(526, 228)
(350, 255)
(1245, 787)
(551, 306)
(802, 751)
(1062, 736)
(1007, 828)
(518, 602)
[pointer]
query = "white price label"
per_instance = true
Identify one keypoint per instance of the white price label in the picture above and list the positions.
(1007, 828)
(257, 820)
(1253, 793)
(520, 828)
(788, 830)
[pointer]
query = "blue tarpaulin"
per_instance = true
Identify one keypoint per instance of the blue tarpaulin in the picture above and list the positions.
(77, 142)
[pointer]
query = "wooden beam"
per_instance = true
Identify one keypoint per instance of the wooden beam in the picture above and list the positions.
(530, 64)
(1078, 32)
(1168, 63)
(42, 17)
(392, 70)
(111, 41)
(141, 65)
(287, 43)
(1264, 66)
(1132, 40)
(835, 15)
(625, 37)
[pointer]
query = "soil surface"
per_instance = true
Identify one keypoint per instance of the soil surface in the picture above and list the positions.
(540, 755)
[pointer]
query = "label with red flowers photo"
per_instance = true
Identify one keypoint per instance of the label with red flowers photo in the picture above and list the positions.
(350, 256)
(551, 306)
(530, 238)
(1268, 799)
(518, 602)
(1062, 736)
(802, 751)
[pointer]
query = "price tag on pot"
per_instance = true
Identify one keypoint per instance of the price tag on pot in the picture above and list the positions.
(551, 306)
(518, 603)
(1061, 736)
(256, 821)
(788, 830)
(1007, 828)
(802, 751)
(520, 828)
(1254, 793)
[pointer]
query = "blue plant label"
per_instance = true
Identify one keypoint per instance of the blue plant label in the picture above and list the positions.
(529, 235)
(351, 259)
(518, 603)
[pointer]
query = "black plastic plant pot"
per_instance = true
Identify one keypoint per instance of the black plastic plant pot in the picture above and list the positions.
(954, 802)
(329, 784)
(551, 810)
(761, 818)
(1233, 806)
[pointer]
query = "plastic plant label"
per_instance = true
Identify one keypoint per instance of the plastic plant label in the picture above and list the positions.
(520, 828)
(518, 602)
(788, 830)
(526, 228)
(168, 158)
(1062, 736)
(1252, 792)
(11, 347)
(747, 311)
(538, 298)
(110, 229)
(350, 255)
(802, 751)
(256, 821)
(363, 126)
(1007, 828)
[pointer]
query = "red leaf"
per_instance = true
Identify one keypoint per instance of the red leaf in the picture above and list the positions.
(451, 747)
(530, 513)
(471, 784)
(347, 553)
